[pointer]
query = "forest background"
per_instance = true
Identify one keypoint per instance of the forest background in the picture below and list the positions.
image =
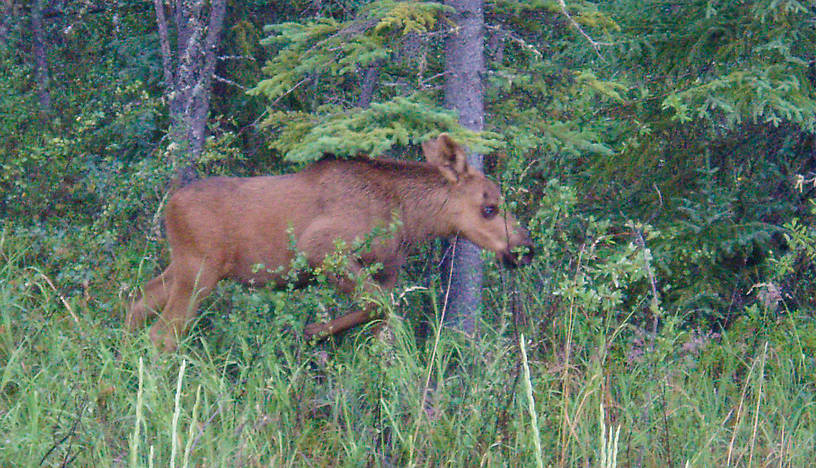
(661, 152)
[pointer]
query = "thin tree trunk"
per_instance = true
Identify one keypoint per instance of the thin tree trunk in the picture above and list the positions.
(188, 75)
(495, 46)
(164, 44)
(369, 84)
(5, 21)
(40, 59)
(464, 64)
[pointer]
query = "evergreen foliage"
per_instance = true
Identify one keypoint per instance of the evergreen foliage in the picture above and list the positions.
(662, 154)
(324, 58)
(724, 108)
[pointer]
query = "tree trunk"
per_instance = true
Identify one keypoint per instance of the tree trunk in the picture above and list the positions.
(369, 84)
(40, 60)
(5, 21)
(188, 75)
(464, 64)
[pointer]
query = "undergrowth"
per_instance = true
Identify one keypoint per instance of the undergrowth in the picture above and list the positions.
(601, 387)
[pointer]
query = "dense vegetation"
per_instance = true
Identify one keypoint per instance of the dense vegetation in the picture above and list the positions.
(662, 153)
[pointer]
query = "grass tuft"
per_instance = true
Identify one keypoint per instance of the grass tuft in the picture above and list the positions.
(73, 391)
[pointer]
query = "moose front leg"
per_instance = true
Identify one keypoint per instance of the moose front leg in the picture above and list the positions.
(348, 285)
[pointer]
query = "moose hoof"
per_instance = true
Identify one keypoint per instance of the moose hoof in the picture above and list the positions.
(163, 340)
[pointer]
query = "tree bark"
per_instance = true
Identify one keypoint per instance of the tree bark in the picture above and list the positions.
(40, 59)
(188, 75)
(464, 64)
(369, 84)
(5, 21)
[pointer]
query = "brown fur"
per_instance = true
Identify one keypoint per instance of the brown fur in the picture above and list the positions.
(225, 227)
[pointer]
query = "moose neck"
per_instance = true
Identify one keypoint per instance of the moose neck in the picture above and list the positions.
(424, 206)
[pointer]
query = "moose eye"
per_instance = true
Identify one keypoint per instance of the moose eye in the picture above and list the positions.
(489, 211)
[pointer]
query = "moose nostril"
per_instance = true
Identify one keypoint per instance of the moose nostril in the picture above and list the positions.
(520, 254)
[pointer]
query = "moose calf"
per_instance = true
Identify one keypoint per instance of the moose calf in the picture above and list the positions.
(225, 227)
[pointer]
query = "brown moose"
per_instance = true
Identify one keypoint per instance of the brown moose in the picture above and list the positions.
(225, 227)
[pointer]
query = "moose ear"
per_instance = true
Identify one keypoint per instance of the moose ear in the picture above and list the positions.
(447, 155)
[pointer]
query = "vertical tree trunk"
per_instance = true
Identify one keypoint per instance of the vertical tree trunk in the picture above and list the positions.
(188, 75)
(40, 60)
(464, 64)
(5, 21)
(369, 84)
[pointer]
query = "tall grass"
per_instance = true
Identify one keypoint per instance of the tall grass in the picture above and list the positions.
(244, 389)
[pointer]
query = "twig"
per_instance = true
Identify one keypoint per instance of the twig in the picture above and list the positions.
(254, 123)
(290, 90)
(68, 436)
(659, 207)
(596, 45)
(423, 82)
(61, 297)
(655, 305)
(229, 82)
(204, 427)
(236, 57)
(515, 38)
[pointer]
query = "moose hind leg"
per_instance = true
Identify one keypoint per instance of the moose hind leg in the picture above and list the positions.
(340, 324)
(152, 299)
(186, 292)
(368, 311)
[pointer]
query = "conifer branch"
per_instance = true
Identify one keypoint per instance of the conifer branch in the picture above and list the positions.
(596, 45)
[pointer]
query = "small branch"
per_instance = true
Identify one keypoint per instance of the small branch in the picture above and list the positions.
(236, 57)
(204, 427)
(800, 181)
(596, 45)
(660, 205)
(68, 437)
(515, 38)
(431, 78)
(655, 303)
(221, 79)
(61, 298)
(290, 91)
(254, 123)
